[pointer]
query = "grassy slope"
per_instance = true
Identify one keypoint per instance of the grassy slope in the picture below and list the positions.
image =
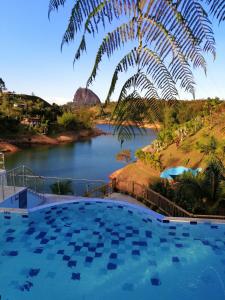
(186, 154)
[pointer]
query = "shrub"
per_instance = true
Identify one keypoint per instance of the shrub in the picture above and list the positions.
(62, 188)
(153, 159)
(124, 155)
(68, 121)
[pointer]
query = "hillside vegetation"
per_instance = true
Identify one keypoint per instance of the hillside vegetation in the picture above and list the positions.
(28, 114)
(176, 146)
(28, 119)
(198, 143)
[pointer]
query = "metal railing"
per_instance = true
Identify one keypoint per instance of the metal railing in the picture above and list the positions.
(2, 161)
(42, 185)
(155, 200)
(23, 176)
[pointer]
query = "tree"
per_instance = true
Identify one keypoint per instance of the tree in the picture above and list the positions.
(2, 85)
(171, 37)
(208, 149)
(215, 181)
(201, 193)
(124, 155)
(68, 121)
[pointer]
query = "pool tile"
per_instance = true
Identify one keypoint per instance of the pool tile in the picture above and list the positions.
(66, 257)
(76, 276)
(72, 263)
(111, 266)
(89, 259)
(113, 255)
(44, 241)
(175, 259)
(40, 235)
(12, 253)
(135, 252)
(155, 281)
(34, 272)
(38, 250)
(98, 254)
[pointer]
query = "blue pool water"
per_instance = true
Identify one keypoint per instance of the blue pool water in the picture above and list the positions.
(107, 250)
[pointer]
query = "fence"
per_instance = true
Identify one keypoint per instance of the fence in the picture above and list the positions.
(23, 176)
(150, 198)
(155, 200)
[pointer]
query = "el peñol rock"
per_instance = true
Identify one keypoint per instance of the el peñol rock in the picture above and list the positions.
(85, 97)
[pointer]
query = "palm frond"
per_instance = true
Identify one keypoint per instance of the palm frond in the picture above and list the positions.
(96, 13)
(140, 82)
(187, 20)
(129, 60)
(128, 116)
(54, 5)
(111, 42)
(217, 9)
(172, 35)
(159, 73)
(195, 15)
(132, 109)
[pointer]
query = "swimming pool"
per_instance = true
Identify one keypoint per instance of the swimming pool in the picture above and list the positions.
(107, 250)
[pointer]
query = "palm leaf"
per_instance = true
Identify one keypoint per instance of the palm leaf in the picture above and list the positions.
(172, 37)
(111, 42)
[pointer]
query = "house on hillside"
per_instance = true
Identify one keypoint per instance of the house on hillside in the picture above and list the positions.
(19, 105)
(31, 121)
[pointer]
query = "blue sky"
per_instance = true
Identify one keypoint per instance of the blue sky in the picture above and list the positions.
(31, 60)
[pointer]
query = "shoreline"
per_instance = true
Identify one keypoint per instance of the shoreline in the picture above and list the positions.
(15, 144)
(147, 125)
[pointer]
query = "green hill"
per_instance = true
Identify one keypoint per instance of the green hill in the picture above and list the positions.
(190, 151)
(23, 114)
(22, 99)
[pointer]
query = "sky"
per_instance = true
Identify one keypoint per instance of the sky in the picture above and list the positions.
(31, 60)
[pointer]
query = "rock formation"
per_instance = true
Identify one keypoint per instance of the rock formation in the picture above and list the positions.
(85, 97)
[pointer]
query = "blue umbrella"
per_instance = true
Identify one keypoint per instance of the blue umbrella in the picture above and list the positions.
(176, 171)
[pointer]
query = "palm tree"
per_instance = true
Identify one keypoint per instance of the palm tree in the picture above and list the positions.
(189, 191)
(204, 190)
(215, 181)
(171, 37)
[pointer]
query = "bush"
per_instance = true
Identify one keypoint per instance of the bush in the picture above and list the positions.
(62, 188)
(124, 155)
(154, 159)
(80, 119)
(201, 193)
(68, 121)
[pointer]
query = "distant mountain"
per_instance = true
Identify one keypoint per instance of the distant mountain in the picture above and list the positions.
(85, 97)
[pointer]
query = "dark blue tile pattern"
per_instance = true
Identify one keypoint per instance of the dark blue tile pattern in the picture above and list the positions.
(77, 240)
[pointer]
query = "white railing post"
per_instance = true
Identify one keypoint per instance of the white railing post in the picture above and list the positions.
(14, 184)
(2, 185)
(23, 176)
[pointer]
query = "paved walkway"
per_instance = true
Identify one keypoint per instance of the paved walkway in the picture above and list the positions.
(125, 198)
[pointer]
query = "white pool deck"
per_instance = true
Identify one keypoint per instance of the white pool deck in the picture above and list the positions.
(49, 199)
(9, 191)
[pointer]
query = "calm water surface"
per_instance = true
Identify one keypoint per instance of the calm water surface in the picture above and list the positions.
(90, 159)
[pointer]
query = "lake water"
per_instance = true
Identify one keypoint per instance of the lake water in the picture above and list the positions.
(94, 158)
